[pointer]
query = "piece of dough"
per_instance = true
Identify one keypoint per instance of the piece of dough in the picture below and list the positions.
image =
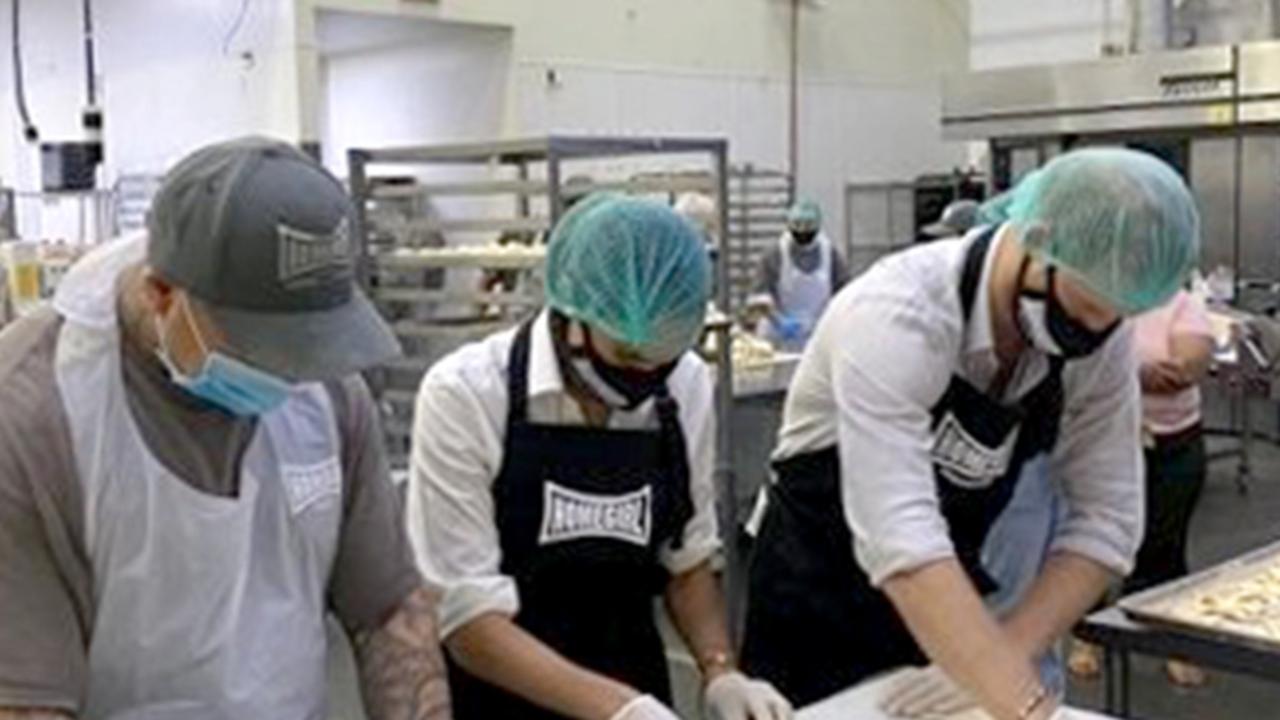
(1248, 604)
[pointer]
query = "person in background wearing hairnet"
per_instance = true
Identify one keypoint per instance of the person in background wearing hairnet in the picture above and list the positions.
(192, 471)
(561, 480)
(699, 209)
(957, 219)
(795, 280)
(929, 383)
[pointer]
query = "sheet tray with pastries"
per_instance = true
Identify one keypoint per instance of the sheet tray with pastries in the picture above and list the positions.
(1238, 600)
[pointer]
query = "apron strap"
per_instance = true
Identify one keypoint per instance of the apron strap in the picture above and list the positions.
(676, 461)
(975, 257)
(831, 265)
(518, 375)
(1042, 407)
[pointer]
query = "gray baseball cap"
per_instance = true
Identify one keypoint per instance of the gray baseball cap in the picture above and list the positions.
(957, 219)
(263, 238)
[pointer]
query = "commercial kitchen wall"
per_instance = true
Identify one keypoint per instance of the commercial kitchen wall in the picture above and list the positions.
(1009, 33)
(393, 82)
(870, 94)
(1012, 33)
(174, 76)
(177, 75)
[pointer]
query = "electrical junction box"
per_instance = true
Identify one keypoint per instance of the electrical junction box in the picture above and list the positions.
(69, 166)
(8, 215)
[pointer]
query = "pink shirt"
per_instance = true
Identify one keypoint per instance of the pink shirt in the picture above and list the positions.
(1185, 314)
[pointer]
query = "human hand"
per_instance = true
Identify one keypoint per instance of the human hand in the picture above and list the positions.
(734, 696)
(1163, 377)
(644, 707)
(789, 328)
(926, 692)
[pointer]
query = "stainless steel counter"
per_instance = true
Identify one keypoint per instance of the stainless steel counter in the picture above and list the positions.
(765, 379)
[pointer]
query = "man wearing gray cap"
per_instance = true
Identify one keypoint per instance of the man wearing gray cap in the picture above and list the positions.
(957, 219)
(191, 470)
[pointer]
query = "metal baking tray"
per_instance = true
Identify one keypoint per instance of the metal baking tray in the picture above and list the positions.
(1158, 605)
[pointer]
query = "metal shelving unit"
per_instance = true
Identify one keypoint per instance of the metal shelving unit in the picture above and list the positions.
(59, 227)
(8, 214)
(429, 217)
(93, 210)
(758, 202)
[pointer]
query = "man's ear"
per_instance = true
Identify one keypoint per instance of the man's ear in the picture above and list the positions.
(157, 293)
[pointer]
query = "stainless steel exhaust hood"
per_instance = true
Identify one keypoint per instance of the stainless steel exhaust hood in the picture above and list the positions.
(1201, 88)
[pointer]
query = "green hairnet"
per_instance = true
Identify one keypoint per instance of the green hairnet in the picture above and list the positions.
(1121, 221)
(805, 215)
(633, 269)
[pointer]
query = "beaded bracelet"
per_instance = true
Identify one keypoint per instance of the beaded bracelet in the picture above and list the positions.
(1033, 703)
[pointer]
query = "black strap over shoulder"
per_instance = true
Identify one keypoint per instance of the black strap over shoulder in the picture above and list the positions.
(971, 274)
(676, 460)
(518, 374)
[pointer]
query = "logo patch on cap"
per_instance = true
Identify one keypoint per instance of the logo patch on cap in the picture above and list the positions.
(308, 259)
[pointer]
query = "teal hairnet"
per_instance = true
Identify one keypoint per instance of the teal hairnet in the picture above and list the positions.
(633, 269)
(1120, 221)
(805, 215)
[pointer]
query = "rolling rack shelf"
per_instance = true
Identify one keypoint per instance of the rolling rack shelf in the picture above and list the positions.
(452, 241)
(758, 203)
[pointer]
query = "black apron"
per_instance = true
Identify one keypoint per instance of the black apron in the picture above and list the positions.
(815, 624)
(581, 514)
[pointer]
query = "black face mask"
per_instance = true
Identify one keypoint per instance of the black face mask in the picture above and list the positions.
(635, 386)
(803, 238)
(1048, 327)
(619, 388)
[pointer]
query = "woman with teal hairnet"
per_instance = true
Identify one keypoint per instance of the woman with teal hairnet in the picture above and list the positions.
(928, 384)
(561, 480)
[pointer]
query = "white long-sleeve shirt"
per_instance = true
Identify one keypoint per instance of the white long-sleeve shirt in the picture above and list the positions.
(458, 433)
(880, 359)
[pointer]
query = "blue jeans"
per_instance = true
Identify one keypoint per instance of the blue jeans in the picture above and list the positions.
(1016, 549)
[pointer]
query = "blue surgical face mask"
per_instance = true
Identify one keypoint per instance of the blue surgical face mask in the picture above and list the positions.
(234, 386)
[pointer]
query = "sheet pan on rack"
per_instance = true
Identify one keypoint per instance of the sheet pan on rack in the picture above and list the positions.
(1235, 601)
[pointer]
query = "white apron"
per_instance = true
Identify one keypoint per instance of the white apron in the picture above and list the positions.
(205, 607)
(802, 296)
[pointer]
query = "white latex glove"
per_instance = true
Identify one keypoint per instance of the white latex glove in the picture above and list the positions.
(925, 693)
(734, 696)
(645, 707)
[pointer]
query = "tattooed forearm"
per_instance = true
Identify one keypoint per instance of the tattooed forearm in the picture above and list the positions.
(402, 672)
